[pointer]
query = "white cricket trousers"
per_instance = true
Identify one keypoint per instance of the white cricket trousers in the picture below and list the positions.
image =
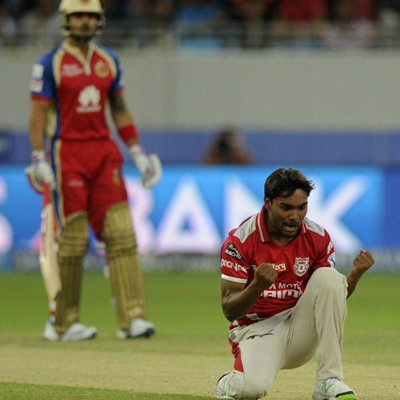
(290, 339)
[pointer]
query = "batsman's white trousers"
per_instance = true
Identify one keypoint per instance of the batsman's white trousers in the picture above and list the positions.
(291, 338)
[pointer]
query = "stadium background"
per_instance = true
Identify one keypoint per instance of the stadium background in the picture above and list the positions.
(299, 98)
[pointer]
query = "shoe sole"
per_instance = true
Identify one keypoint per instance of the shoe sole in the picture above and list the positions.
(92, 336)
(342, 396)
(147, 334)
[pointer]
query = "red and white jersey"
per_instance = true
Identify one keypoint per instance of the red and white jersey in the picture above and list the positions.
(79, 89)
(250, 245)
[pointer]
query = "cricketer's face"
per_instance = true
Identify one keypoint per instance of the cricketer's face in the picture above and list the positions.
(83, 26)
(285, 214)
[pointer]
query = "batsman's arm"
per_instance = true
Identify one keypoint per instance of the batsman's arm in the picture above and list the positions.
(237, 299)
(37, 123)
(122, 118)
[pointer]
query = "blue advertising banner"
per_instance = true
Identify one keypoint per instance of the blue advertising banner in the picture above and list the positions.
(193, 208)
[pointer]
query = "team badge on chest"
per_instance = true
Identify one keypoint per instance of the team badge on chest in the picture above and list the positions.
(301, 265)
(101, 69)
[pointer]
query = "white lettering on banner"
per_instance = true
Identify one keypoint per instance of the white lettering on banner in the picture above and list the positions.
(141, 202)
(6, 232)
(187, 225)
(329, 212)
(240, 203)
(235, 266)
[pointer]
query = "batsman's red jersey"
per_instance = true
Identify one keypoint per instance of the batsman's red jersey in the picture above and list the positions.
(86, 162)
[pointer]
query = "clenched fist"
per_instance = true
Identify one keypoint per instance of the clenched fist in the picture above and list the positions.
(363, 262)
(265, 275)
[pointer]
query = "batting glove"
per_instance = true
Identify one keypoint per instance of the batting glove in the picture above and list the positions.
(42, 170)
(148, 165)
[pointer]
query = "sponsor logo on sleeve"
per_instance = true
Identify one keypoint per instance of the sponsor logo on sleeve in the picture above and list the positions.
(301, 265)
(36, 85)
(332, 260)
(37, 71)
(229, 264)
(36, 82)
(232, 251)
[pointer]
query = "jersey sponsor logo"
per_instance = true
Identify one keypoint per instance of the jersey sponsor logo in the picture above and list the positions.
(301, 265)
(71, 70)
(283, 290)
(332, 260)
(89, 98)
(37, 71)
(75, 183)
(232, 251)
(101, 69)
(235, 266)
(277, 267)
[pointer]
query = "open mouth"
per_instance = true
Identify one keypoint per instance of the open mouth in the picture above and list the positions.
(291, 228)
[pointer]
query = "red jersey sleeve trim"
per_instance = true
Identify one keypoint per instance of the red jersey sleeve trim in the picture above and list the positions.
(117, 93)
(40, 97)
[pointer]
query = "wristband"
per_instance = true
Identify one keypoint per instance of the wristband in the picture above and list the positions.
(128, 132)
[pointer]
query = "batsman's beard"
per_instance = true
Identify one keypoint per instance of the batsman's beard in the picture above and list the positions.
(81, 39)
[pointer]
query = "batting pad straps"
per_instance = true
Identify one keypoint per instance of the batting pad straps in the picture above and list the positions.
(125, 272)
(73, 245)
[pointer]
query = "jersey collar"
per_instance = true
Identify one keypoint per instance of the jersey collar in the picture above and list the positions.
(78, 55)
(262, 226)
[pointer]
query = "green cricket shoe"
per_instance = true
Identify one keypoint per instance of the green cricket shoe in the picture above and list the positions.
(333, 389)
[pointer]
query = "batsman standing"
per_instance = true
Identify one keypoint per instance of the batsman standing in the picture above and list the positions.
(283, 295)
(71, 87)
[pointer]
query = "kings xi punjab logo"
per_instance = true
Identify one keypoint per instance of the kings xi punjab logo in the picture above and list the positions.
(301, 265)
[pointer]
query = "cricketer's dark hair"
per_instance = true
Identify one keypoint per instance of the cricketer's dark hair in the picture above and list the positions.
(284, 182)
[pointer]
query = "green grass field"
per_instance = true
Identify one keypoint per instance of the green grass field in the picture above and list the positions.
(189, 352)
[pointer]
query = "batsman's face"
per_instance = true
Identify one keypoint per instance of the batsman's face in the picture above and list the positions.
(285, 214)
(83, 26)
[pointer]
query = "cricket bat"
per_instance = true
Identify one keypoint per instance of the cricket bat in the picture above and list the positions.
(48, 251)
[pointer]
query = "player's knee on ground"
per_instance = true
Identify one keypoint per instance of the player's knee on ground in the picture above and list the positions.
(72, 247)
(125, 272)
(242, 386)
(255, 387)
